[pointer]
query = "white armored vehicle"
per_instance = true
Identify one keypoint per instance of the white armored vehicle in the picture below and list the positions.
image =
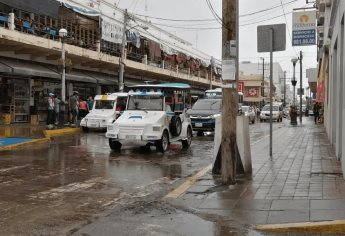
(155, 115)
(106, 109)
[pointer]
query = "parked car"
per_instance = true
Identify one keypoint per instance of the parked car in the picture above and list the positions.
(277, 113)
(106, 109)
(249, 111)
(155, 115)
(203, 114)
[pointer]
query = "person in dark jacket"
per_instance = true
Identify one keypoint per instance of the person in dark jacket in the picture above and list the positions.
(316, 111)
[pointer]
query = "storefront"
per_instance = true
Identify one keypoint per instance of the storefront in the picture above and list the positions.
(25, 87)
(15, 102)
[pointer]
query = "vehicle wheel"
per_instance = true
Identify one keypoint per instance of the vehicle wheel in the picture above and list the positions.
(186, 143)
(200, 133)
(114, 145)
(163, 143)
(175, 126)
(85, 129)
(260, 120)
(253, 121)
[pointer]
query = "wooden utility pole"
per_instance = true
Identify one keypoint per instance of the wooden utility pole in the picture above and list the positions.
(230, 97)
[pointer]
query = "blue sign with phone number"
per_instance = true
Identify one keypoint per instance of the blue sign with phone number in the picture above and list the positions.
(304, 37)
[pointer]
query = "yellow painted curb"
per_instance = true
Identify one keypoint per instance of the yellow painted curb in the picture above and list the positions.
(189, 182)
(23, 144)
(320, 227)
(61, 132)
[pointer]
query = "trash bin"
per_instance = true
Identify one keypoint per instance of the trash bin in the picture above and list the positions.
(6, 119)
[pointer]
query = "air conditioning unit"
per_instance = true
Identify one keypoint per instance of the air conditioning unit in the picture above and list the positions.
(320, 30)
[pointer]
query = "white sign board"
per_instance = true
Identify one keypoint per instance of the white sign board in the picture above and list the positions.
(304, 28)
(229, 70)
(111, 30)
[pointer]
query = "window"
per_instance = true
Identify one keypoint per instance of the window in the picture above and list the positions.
(207, 104)
(145, 102)
(104, 104)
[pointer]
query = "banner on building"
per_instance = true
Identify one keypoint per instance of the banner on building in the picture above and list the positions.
(303, 28)
(253, 92)
(111, 31)
(240, 87)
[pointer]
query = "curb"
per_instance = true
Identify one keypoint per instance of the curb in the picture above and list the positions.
(61, 132)
(28, 143)
(188, 183)
(334, 226)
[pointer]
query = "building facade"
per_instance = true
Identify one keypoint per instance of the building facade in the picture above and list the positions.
(263, 70)
(31, 52)
(331, 73)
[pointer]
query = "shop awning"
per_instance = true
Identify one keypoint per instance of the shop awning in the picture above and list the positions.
(5, 69)
(103, 78)
(81, 10)
(27, 68)
(41, 7)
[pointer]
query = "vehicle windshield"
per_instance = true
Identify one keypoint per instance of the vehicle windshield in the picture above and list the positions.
(267, 108)
(207, 105)
(145, 102)
(104, 104)
(245, 109)
(213, 94)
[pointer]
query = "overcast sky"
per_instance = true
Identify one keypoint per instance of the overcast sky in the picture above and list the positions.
(209, 40)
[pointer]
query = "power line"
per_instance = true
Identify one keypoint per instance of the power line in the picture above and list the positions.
(220, 21)
(287, 26)
(267, 9)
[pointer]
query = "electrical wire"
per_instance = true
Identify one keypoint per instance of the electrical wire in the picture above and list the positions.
(267, 9)
(287, 26)
(220, 21)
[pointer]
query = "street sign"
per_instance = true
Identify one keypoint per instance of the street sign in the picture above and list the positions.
(264, 37)
(304, 28)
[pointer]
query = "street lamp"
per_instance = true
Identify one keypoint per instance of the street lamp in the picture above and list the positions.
(293, 113)
(293, 81)
(63, 35)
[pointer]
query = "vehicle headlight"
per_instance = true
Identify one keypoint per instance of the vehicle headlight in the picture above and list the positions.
(156, 128)
(214, 116)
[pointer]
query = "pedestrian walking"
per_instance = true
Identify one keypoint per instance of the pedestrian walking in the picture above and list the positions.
(50, 113)
(83, 108)
(57, 102)
(316, 111)
(90, 102)
(73, 107)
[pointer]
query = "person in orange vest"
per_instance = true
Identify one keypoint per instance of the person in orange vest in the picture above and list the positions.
(83, 108)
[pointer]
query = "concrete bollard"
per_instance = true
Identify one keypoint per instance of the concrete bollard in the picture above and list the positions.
(242, 138)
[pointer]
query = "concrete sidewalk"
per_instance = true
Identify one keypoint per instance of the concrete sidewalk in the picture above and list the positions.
(302, 183)
(19, 135)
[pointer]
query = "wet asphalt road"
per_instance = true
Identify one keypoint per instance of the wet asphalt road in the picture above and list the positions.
(78, 186)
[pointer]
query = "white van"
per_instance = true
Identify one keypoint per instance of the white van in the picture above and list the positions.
(277, 112)
(106, 109)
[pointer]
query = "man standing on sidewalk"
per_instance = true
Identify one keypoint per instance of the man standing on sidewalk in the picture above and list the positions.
(57, 102)
(316, 111)
(50, 115)
(73, 106)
